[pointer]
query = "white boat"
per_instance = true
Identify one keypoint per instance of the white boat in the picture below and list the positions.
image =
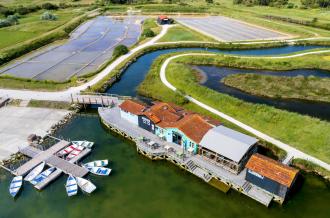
(97, 163)
(15, 185)
(84, 143)
(75, 152)
(101, 171)
(67, 150)
(71, 186)
(85, 185)
(42, 176)
(36, 171)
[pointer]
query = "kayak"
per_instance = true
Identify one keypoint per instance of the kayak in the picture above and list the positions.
(15, 185)
(42, 176)
(97, 163)
(86, 185)
(36, 171)
(71, 186)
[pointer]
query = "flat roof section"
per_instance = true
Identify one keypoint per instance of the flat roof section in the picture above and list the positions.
(228, 29)
(227, 142)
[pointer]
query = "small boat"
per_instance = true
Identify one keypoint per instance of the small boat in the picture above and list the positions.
(67, 150)
(15, 185)
(42, 176)
(85, 143)
(75, 152)
(35, 172)
(97, 163)
(101, 171)
(86, 185)
(71, 186)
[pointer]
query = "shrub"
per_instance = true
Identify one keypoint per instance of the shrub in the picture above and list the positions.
(148, 33)
(48, 16)
(49, 6)
(119, 50)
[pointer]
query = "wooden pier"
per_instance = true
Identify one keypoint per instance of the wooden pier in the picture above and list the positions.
(195, 164)
(49, 157)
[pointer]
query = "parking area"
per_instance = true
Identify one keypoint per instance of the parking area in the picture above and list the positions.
(89, 46)
(228, 29)
(17, 123)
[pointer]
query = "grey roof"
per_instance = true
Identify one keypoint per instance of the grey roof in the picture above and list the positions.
(227, 142)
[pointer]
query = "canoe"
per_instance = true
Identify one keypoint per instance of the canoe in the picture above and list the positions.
(75, 152)
(84, 143)
(97, 163)
(101, 171)
(42, 176)
(71, 186)
(15, 185)
(85, 185)
(67, 150)
(36, 171)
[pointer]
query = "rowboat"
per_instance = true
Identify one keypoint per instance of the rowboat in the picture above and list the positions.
(86, 185)
(75, 152)
(36, 171)
(101, 171)
(71, 186)
(67, 150)
(42, 176)
(15, 185)
(84, 143)
(97, 163)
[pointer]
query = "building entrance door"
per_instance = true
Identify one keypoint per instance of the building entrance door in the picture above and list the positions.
(177, 138)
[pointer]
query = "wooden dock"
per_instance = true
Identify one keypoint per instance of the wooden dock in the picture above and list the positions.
(49, 157)
(38, 156)
(58, 171)
(195, 164)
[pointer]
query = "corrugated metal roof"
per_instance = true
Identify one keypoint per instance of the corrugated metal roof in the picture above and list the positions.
(227, 142)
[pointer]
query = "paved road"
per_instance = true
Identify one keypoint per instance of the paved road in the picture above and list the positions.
(66, 95)
(291, 152)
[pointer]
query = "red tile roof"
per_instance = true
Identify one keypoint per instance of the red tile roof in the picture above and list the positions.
(272, 169)
(163, 17)
(168, 115)
(133, 107)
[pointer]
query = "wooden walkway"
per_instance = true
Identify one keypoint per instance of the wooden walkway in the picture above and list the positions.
(38, 157)
(195, 164)
(48, 156)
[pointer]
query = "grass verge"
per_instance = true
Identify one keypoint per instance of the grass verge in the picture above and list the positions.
(303, 132)
(50, 104)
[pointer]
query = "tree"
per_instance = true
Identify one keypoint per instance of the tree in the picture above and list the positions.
(120, 50)
(148, 33)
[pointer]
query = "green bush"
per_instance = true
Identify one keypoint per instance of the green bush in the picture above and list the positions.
(49, 6)
(119, 51)
(148, 33)
(48, 16)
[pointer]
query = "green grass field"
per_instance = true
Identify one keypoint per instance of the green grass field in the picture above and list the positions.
(13, 3)
(182, 33)
(31, 26)
(303, 132)
(299, 87)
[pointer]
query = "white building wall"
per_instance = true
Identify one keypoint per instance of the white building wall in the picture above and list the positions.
(129, 117)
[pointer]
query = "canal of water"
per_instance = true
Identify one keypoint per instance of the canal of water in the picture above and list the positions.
(142, 188)
(137, 71)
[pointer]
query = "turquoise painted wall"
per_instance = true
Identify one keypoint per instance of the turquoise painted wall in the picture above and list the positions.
(187, 142)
